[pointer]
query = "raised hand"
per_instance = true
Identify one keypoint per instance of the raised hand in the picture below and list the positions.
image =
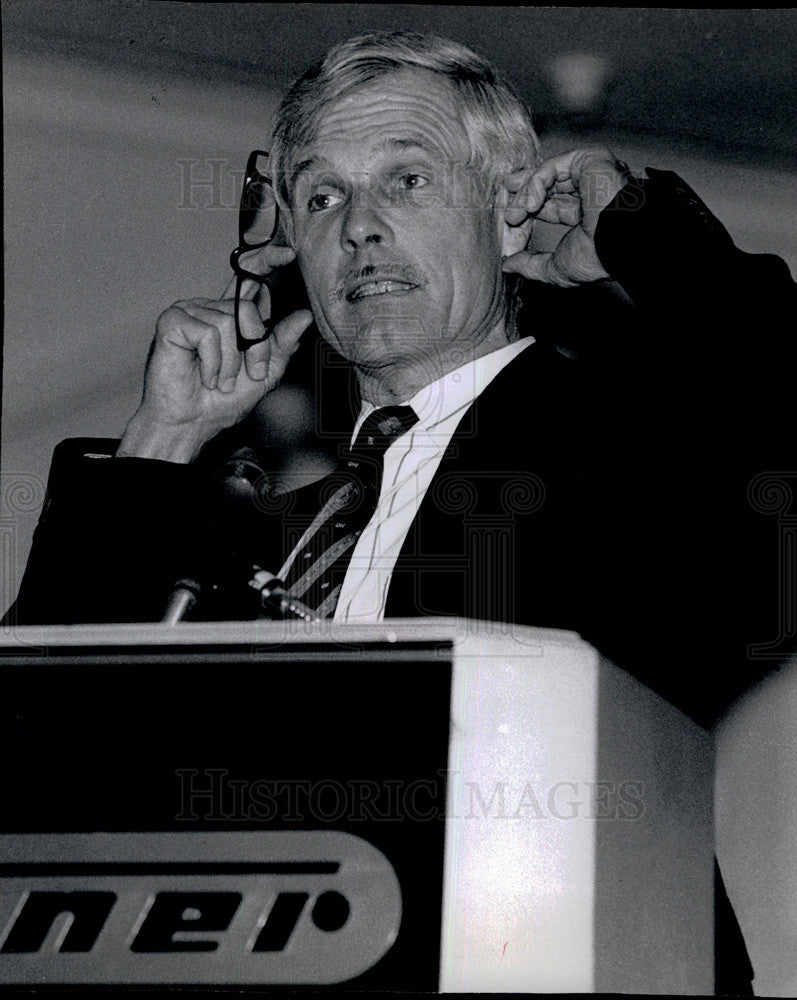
(197, 382)
(570, 190)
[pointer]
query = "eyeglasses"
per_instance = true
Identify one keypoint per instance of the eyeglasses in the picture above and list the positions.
(258, 223)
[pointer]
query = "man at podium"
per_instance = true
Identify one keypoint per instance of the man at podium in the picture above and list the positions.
(562, 438)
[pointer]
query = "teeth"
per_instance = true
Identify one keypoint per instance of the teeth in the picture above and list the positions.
(379, 288)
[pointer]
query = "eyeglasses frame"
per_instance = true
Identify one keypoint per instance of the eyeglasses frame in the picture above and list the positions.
(251, 177)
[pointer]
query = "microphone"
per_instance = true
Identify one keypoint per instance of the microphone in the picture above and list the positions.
(273, 596)
(182, 599)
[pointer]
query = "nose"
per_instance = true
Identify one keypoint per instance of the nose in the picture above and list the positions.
(363, 224)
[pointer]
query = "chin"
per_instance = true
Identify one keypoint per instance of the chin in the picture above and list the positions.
(383, 339)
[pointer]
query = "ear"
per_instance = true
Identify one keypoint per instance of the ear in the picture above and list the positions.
(515, 224)
(516, 237)
(286, 233)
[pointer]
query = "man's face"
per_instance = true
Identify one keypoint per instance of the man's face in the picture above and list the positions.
(398, 241)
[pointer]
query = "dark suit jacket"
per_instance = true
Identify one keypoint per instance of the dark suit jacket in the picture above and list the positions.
(601, 483)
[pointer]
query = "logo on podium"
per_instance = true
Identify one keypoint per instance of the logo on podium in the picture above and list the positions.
(271, 907)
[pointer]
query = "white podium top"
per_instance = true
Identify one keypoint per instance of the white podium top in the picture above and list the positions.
(476, 636)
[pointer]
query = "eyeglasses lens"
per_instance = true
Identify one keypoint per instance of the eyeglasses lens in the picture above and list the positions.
(258, 217)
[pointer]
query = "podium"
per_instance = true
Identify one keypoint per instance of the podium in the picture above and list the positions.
(432, 804)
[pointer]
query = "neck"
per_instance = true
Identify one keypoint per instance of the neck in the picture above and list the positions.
(399, 380)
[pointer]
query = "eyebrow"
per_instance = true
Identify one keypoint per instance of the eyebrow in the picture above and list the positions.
(387, 145)
(410, 143)
(299, 169)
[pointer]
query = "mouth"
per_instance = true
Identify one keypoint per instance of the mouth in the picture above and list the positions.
(386, 286)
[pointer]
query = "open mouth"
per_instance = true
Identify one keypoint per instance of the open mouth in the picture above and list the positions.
(386, 287)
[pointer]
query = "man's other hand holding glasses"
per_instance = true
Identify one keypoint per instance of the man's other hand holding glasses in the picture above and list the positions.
(212, 360)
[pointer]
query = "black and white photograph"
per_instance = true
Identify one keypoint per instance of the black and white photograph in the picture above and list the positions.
(398, 499)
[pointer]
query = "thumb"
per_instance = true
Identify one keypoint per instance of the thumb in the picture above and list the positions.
(249, 288)
(286, 336)
(536, 267)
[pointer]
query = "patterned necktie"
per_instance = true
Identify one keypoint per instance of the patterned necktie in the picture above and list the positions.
(319, 562)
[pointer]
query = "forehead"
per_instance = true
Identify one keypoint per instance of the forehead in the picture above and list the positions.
(403, 109)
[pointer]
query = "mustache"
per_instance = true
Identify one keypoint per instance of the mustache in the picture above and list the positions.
(376, 272)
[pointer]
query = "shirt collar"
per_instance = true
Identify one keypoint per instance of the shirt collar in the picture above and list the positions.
(455, 390)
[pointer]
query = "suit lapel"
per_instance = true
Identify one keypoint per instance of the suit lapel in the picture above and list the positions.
(488, 497)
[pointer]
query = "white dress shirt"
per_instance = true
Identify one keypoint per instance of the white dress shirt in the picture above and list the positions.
(409, 465)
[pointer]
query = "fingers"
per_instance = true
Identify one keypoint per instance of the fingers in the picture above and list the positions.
(287, 333)
(249, 288)
(284, 342)
(201, 339)
(220, 330)
(517, 210)
(253, 329)
(256, 360)
(269, 358)
(529, 188)
(560, 208)
(548, 193)
(570, 190)
(180, 329)
(218, 349)
(561, 178)
(208, 328)
(536, 267)
(541, 182)
(208, 349)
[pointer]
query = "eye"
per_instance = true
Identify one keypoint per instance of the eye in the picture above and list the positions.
(320, 202)
(411, 182)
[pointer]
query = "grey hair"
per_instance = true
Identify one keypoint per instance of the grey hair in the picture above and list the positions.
(499, 128)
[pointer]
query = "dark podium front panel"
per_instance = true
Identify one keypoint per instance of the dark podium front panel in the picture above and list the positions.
(298, 793)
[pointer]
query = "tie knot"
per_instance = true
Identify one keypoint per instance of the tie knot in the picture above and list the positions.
(384, 426)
